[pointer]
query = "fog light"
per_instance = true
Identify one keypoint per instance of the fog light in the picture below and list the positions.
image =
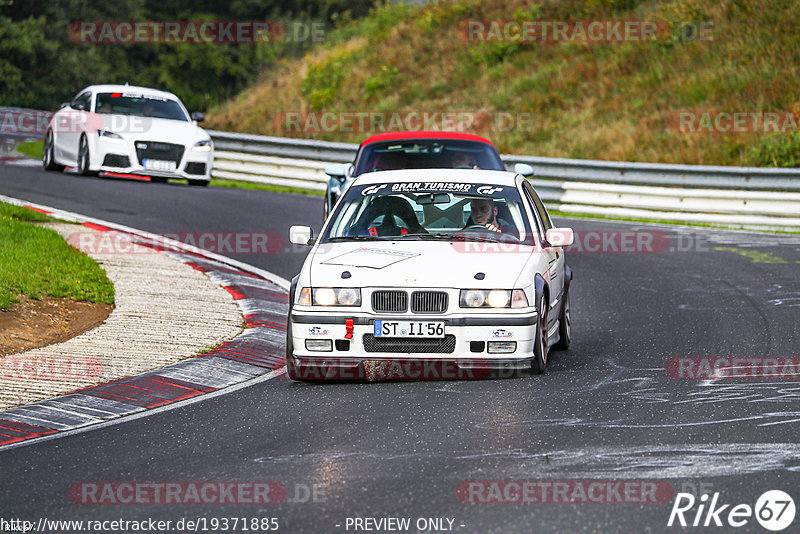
(319, 345)
(502, 347)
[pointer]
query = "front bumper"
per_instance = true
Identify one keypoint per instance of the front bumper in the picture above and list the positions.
(465, 353)
(121, 157)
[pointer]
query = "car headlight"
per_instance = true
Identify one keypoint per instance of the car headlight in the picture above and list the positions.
(330, 296)
(203, 146)
(493, 298)
(109, 136)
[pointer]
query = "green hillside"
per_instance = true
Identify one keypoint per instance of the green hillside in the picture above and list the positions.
(611, 99)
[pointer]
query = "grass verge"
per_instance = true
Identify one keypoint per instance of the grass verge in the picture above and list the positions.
(32, 149)
(600, 217)
(238, 184)
(36, 261)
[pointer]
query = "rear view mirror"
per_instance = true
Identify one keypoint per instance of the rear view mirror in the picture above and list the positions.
(198, 117)
(433, 198)
(301, 235)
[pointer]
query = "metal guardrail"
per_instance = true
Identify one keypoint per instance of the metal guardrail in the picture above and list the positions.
(23, 123)
(746, 197)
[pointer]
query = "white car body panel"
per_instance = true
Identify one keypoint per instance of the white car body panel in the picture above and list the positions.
(426, 265)
(68, 125)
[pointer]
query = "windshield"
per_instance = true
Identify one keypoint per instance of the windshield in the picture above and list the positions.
(140, 105)
(430, 211)
(427, 154)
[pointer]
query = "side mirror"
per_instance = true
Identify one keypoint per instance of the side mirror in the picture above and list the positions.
(560, 237)
(301, 235)
(337, 170)
(198, 117)
(523, 168)
(64, 105)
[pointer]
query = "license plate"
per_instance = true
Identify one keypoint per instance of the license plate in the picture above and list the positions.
(159, 165)
(409, 329)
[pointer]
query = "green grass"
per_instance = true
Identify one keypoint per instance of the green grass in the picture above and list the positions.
(611, 101)
(32, 149)
(600, 217)
(36, 261)
(238, 184)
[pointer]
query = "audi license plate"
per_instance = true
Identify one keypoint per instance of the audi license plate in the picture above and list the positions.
(159, 165)
(409, 328)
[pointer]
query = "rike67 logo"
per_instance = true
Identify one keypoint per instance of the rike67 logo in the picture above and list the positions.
(774, 510)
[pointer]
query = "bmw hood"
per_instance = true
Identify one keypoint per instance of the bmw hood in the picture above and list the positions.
(423, 264)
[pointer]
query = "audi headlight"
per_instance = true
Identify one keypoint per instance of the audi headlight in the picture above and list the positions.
(109, 136)
(203, 146)
(331, 296)
(493, 298)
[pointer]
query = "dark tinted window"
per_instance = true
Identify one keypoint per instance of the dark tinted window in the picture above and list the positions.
(139, 105)
(427, 154)
(83, 99)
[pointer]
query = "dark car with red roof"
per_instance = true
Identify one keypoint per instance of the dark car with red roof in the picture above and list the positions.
(414, 150)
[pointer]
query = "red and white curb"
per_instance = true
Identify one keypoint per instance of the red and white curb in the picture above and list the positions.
(255, 355)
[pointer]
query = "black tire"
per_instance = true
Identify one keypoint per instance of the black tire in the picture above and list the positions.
(84, 158)
(158, 179)
(539, 363)
(292, 370)
(198, 183)
(564, 324)
(48, 154)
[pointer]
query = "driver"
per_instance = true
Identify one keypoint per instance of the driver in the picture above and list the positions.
(484, 213)
(463, 160)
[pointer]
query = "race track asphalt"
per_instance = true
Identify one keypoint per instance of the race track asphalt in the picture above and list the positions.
(606, 410)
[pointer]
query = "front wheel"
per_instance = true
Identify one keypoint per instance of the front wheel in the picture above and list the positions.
(564, 325)
(84, 158)
(48, 158)
(539, 363)
(292, 368)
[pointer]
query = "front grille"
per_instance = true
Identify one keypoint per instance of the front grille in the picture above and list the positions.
(429, 302)
(195, 168)
(116, 160)
(390, 301)
(162, 151)
(445, 345)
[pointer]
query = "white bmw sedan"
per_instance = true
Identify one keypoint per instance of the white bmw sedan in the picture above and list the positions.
(129, 130)
(458, 267)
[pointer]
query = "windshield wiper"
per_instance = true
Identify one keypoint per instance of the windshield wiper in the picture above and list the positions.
(437, 236)
(359, 238)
